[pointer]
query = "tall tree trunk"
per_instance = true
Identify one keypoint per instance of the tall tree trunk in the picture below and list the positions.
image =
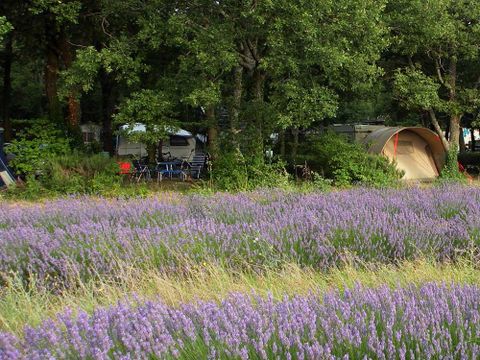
(462, 141)
(295, 146)
(236, 104)
(454, 131)
(51, 72)
(7, 87)
(454, 138)
(256, 139)
(108, 107)
(282, 144)
(212, 132)
(472, 139)
(73, 115)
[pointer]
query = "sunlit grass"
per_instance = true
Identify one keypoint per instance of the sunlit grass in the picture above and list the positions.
(20, 306)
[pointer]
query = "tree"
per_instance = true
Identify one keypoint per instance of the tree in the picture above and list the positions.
(56, 17)
(108, 55)
(318, 51)
(438, 41)
(5, 31)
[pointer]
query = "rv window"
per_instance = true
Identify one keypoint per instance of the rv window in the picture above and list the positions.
(178, 141)
(405, 147)
(88, 137)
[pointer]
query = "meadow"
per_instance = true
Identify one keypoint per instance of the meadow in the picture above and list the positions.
(269, 274)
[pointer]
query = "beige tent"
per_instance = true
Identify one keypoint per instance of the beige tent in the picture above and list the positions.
(417, 151)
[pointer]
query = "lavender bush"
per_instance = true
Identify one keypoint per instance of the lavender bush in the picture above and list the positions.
(87, 237)
(430, 322)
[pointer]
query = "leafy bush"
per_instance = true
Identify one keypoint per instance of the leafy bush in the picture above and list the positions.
(75, 173)
(450, 171)
(317, 184)
(348, 163)
(231, 172)
(267, 175)
(35, 145)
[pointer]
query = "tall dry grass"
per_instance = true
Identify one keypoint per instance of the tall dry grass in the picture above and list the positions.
(20, 306)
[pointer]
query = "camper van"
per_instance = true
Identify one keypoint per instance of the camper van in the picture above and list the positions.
(181, 144)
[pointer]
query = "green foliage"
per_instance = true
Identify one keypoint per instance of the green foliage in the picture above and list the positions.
(82, 74)
(348, 163)
(320, 183)
(439, 39)
(79, 174)
(450, 171)
(5, 27)
(37, 144)
(268, 175)
(71, 174)
(152, 108)
(312, 58)
(302, 105)
(64, 11)
(119, 59)
(416, 90)
(231, 172)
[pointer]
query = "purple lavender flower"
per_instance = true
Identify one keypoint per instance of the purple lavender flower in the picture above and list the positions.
(431, 321)
(84, 238)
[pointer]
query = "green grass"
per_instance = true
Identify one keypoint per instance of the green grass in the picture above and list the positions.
(20, 306)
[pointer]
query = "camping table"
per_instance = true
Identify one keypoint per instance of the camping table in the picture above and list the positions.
(169, 169)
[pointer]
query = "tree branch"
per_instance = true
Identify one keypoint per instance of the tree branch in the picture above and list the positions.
(253, 50)
(439, 72)
(452, 69)
(438, 129)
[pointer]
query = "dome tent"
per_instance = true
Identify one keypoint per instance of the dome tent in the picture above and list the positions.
(6, 175)
(416, 151)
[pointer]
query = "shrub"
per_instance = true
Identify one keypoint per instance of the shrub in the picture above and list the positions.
(450, 171)
(348, 163)
(35, 145)
(77, 173)
(231, 172)
(267, 175)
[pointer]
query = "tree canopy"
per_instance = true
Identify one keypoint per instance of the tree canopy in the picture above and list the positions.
(240, 71)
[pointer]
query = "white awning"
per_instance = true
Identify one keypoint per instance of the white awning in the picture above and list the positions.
(139, 127)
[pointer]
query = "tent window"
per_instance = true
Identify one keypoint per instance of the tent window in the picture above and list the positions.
(178, 141)
(405, 147)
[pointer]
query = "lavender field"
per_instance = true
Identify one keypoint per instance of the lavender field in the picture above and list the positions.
(430, 322)
(52, 249)
(85, 238)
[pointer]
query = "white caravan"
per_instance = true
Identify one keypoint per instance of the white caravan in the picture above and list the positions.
(180, 145)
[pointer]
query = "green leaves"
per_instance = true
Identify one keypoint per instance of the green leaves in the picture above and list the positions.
(416, 90)
(5, 27)
(82, 74)
(152, 108)
(65, 11)
(318, 49)
(36, 145)
(302, 104)
(439, 39)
